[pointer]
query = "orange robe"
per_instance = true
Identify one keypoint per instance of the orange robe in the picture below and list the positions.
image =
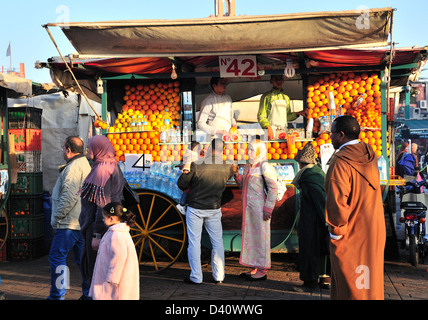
(354, 210)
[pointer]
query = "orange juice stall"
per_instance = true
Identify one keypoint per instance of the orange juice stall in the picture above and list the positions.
(151, 76)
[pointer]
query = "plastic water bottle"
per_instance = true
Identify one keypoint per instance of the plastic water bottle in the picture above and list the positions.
(309, 128)
(167, 171)
(164, 135)
(332, 105)
(381, 163)
(164, 184)
(143, 179)
(241, 170)
(172, 135)
(359, 100)
(185, 135)
(325, 123)
(122, 166)
(178, 135)
(290, 173)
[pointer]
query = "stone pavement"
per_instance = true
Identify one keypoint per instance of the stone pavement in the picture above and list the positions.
(31, 281)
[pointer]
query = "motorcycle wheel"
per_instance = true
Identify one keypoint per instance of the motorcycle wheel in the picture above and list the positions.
(413, 250)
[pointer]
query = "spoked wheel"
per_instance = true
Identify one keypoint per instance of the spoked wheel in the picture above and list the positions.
(159, 233)
(4, 228)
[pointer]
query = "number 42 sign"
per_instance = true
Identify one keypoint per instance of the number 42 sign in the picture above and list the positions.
(237, 66)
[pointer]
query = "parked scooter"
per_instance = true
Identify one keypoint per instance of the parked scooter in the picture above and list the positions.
(413, 214)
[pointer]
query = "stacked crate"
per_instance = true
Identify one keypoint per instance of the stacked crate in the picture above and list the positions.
(25, 204)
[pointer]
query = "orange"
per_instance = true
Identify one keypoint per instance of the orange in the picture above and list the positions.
(324, 136)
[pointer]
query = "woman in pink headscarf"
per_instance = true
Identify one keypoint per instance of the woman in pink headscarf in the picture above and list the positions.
(257, 211)
(103, 185)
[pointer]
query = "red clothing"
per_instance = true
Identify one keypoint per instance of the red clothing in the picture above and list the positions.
(354, 210)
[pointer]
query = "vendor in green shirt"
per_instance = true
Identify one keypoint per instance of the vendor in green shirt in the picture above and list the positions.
(274, 109)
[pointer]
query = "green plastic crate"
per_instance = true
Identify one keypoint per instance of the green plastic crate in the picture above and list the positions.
(28, 183)
(25, 249)
(27, 227)
(25, 205)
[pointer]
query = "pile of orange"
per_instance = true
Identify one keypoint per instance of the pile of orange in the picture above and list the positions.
(153, 98)
(144, 143)
(283, 151)
(153, 102)
(235, 151)
(371, 137)
(374, 138)
(323, 138)
(347, 88)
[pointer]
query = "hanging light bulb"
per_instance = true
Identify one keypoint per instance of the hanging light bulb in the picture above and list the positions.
(385, 78)
(289, 70)
(173, 73)
(100, 87)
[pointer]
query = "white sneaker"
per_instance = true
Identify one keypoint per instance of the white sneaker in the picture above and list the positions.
(181, 209)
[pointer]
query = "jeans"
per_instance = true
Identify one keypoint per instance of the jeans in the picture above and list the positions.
(211, 219)
(63, 242)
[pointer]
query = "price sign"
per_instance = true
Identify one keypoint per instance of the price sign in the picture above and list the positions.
(237, 66)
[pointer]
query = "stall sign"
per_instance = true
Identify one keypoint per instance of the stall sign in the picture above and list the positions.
(238, 66)
(137, 162)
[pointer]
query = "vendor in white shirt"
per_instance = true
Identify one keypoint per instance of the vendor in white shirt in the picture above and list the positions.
(216, 115)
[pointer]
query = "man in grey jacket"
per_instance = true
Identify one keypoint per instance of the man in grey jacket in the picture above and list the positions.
(65, 217)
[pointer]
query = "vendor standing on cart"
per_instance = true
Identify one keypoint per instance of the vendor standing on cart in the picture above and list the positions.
(274, 109)
(216, 115)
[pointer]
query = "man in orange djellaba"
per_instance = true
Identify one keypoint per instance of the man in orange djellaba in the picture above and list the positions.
(354, 213)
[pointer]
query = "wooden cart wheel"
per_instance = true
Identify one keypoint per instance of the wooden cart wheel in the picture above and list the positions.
(159, 233)
(4, 228)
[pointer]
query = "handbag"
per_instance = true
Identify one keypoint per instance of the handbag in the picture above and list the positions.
(129, 196)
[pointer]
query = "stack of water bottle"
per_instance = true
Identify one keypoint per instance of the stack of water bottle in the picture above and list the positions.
(284, 176)
(162, 177)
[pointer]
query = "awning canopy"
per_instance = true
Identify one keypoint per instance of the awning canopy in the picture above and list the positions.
(17, 84)
(230, 35)
(404, 61)
(316, 42)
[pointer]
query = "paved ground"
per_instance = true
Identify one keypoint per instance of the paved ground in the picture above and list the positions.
(31, 280)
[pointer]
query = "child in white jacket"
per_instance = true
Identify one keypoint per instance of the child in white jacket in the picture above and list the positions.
(116, 273)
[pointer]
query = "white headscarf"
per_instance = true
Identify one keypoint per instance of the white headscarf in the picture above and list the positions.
(260, 150)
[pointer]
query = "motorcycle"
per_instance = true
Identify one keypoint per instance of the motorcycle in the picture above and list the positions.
(413, 208)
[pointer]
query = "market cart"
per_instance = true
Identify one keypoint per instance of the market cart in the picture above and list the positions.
(165, 77)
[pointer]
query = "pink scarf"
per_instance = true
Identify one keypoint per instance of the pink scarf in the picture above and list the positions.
(102, 152)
